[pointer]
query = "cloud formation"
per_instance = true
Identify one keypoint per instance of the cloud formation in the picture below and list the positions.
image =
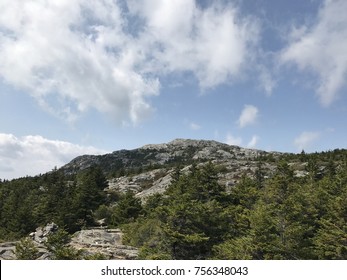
(238, 141)
(33, 154)
(248, 116)
(253, 142)
(232, 140)
(212, 43)
(73, 55)
(194, 126)
(304, 140)
(321, 50)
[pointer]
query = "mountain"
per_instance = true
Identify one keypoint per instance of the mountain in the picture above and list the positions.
(147, 170)
(178, 151)
(186, 199)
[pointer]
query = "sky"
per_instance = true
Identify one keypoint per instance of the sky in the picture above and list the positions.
(94, 76)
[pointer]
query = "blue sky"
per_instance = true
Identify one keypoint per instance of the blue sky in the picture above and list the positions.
(90, 77)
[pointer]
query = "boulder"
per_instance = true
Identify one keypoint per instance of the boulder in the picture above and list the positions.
(41, 233)
(103, 241)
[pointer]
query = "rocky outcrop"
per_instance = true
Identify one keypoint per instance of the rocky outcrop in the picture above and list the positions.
(39, 236)
(41, 233)
(107, 242)
(7, 250)
(143, 184)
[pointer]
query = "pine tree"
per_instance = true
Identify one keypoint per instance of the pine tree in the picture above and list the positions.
(58, 245)
(26, 250)
(89, 194)
(192, 216)
(128, 208)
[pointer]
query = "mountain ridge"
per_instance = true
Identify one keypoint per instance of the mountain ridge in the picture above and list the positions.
(178, 150)
(147, 170)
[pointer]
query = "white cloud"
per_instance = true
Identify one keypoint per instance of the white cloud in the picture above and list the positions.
(304, 140)
(194, 126)
(321, 49)
(238, 141)
(248, 115)
(253, 142)
(213, 43)
(266, 81)
(232, 140)
(31, 155)
(62, 53)
(73, 55)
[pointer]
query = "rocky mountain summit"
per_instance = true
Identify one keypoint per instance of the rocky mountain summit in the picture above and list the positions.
(147, 170)
(178, 151)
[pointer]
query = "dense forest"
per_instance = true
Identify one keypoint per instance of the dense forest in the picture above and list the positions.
(282, 216)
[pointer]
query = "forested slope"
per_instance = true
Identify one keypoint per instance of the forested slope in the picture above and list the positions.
(282, 206)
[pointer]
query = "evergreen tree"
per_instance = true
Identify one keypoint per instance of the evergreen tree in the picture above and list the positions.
(58, 245)
(128, 208)
(191, 216)
(26, 250)
(89, 194)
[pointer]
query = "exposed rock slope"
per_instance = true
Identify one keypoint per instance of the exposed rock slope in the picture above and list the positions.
(147, 170)
(179, 151)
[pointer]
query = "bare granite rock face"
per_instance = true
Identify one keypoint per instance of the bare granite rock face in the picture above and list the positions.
(144, 184)
(7, 250)
(154, 163)
(158, 186)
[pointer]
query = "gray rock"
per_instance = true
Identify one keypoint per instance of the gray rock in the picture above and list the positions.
(7, 250)
(92, 241)
(41, 233)
(103, 241)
